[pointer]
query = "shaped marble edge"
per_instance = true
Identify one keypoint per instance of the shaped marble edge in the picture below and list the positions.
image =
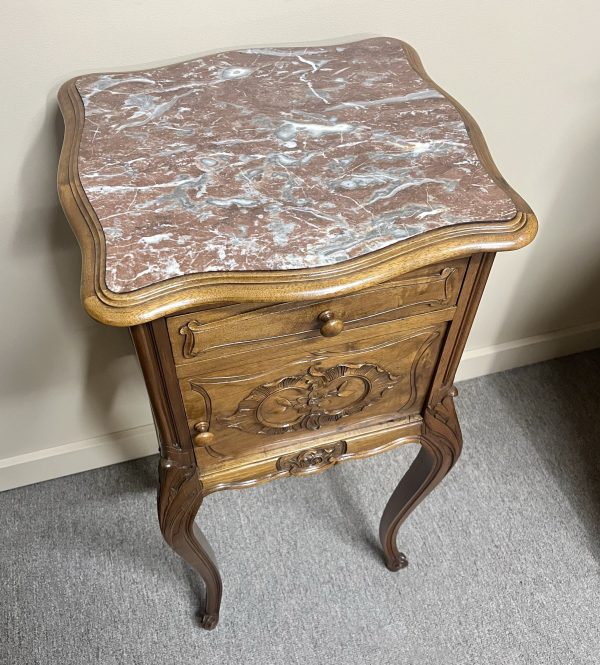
(200, 289)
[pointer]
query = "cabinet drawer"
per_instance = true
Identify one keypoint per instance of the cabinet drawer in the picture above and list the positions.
(254, 402)
(232, 329)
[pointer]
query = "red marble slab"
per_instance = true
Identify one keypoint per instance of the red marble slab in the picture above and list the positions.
(274, 159)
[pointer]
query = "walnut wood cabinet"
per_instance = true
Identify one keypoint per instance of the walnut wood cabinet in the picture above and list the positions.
(298, 240)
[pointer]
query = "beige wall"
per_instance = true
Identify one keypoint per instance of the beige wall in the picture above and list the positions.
(528, 71)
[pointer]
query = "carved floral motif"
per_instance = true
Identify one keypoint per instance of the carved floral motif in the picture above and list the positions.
(311, 400)
(312, 460)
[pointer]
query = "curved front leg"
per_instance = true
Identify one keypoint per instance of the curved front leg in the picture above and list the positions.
(441, 444)
(179, 498)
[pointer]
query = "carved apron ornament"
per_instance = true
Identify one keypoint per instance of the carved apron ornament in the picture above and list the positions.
(312, 460)
(318, 397)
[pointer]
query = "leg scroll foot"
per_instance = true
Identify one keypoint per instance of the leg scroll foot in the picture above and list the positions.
(441, 445)
(397, 562)
(179, 498)
(209, 621)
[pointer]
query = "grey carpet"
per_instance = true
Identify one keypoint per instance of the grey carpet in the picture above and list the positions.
(503, 555)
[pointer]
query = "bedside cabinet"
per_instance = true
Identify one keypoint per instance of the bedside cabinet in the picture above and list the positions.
(298, 239)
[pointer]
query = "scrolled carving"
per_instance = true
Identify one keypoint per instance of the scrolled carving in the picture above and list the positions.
(180, 495)
(443, 279)
(311, 460)
(202, 436)
(310, 400)
(190, 332)
(441, 429)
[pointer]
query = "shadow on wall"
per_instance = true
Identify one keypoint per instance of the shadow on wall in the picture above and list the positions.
(559, 284)
(54, 330)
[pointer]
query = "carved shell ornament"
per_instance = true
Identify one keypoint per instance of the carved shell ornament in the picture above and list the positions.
(310, 400)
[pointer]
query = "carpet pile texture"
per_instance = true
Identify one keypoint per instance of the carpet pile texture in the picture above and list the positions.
(504, 554)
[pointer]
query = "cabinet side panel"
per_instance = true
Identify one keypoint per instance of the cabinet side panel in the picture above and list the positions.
(468, 301)
(153, 350)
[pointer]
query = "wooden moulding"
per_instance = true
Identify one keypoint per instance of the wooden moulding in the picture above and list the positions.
(201, 289)
(300, 459)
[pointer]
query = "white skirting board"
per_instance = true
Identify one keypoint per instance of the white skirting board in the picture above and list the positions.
(141, 441)
(77, 456)
(528, 350)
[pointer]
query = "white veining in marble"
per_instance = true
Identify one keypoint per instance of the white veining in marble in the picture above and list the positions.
(269, 159)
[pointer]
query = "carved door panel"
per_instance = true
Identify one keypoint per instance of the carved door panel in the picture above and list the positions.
(259, 400)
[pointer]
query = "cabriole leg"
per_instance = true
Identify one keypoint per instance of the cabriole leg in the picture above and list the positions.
(179, 498)
(441, 444)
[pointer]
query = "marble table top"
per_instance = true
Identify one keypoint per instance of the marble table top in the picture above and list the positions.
(273, 159)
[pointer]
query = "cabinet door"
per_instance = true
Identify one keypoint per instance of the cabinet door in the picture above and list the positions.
(253, 401)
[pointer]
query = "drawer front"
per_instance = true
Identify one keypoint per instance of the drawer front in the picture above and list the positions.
(232, 329)
(255, 402)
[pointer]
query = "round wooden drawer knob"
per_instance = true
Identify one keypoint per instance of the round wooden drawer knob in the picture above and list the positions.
(203, 437)
(331, 326)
